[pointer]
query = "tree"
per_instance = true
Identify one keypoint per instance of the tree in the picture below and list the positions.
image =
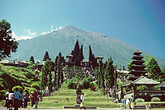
(47, 69)
(92, 59)
(163, 69)
(59, 62)
(7, 43)
(100, 75)
(81, 53)
(153, 69)
(129, 65)
(46, 56)
(109, 73)
(32, 59)
(77, 54)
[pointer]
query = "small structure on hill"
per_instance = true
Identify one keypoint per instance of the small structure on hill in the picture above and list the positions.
(70, 61)
(85, 63)
(99, 58)
(16, 63)
(162, 86)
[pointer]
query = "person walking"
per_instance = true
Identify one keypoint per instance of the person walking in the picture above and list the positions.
(10, 100)
(16, 99)
(36, 95)
(132, 102)
(82, 105)
(7, 99)
(25, 99)
(127, 103)
(21, 99)
(31, 96)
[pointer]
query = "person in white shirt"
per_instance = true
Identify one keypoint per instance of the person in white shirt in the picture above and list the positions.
(128, 103)
(11, 100)
(82, 105)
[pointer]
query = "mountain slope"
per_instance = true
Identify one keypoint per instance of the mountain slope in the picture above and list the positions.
(64, 40)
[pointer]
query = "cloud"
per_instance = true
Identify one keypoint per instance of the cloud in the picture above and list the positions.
(43, 33)
(22, 37)
(52, 29)
(30, 33)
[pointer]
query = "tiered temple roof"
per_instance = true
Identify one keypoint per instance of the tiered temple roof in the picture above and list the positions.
(137, 67)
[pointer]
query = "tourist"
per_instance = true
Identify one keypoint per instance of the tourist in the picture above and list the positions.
(82, 105)
(10, 100)
(21, 99)
(127, 103)
(122, 98)
(16, 99)
(132, 102)
(7, 99)
(36, 95)
(31, 96)
(25, 99)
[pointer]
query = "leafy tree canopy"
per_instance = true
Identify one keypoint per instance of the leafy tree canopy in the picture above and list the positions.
(7, 43)
(153, 69)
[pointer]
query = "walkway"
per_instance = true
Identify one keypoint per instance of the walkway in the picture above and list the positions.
(3, 108)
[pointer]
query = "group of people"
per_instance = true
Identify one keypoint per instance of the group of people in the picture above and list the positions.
(130, 102)
(17, 99)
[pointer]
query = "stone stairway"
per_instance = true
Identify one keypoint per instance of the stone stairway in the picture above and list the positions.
(74, 71)
(139, 107)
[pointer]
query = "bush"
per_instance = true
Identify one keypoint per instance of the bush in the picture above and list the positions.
(155, 99)
(19, 88)
(91, 84)
(93, 88)
(85, 83)
(90, 79)
(36, 86)
(139, 100)
(142, 87)
(3, 92)
(72, 83)
(32, 90)
(156, 87)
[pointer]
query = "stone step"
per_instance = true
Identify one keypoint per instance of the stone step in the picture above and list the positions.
(139, 107)
(79, 107)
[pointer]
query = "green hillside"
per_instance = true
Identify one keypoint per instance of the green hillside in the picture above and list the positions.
(12, 76)
(64, 40)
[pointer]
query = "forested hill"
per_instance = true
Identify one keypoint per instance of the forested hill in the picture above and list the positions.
(64, 40)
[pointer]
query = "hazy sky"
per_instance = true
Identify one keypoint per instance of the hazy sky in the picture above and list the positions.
(140, 23)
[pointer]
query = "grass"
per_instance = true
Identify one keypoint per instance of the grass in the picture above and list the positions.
(67, 97)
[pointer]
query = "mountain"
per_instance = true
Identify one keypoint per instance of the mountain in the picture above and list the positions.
(64, 40)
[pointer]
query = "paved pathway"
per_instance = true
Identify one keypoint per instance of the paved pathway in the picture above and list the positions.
(3, 108)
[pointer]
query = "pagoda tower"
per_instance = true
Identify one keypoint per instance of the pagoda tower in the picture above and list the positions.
(137, 67)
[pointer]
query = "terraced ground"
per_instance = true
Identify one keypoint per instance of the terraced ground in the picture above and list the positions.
(67, 97)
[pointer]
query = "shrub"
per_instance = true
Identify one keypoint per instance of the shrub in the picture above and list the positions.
(19, 88)
(3, 92)
(156, 87)
(139, 100)
(90, 79)
(72, 83)
(32, 90)
(93, 88)
(36, 86)
(85, 83)
(91, 84)
(142, 87)
(155, 99)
